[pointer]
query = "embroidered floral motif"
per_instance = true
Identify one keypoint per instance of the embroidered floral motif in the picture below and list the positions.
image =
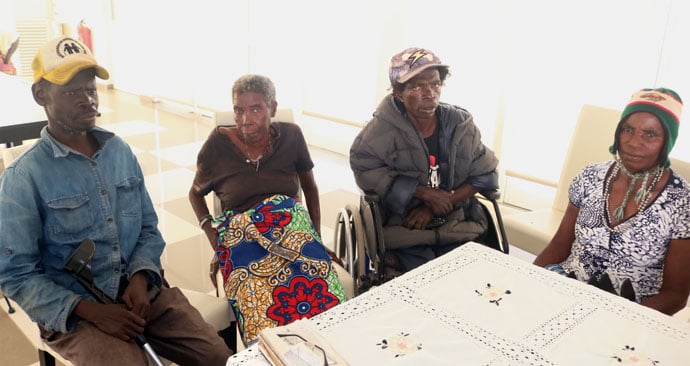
(493, 294)
(629, 356)
(401, 344)
(302, 299)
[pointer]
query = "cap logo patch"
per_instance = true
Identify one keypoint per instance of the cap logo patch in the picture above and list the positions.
(414, 57)
(68, 47)
(654, 97)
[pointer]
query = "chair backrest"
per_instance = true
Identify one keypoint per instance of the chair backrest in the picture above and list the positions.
(590, 142)
(8, 156)
(681, 167)
(12, 153)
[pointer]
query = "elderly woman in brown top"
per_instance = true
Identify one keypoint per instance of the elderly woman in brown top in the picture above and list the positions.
(275, 268)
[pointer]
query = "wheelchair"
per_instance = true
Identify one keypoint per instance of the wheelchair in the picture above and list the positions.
(359, 242)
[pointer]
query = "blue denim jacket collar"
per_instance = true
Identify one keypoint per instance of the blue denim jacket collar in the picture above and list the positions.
(61, 150)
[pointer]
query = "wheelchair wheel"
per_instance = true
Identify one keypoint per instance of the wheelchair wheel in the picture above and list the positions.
(343, 240)
(350, 240)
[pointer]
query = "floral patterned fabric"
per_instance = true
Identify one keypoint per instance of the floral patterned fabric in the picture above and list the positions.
(275, 268)
(639, 250)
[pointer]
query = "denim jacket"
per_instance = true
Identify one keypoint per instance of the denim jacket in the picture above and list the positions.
(52, 198)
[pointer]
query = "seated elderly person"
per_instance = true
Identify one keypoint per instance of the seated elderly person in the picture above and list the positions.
(627, 226)
(79, 181)
(274, 266)
(426, 160)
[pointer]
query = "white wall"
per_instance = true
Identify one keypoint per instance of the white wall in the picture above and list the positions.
(522, 67)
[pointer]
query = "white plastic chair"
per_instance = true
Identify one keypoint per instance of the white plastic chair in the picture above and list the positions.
(594, 131)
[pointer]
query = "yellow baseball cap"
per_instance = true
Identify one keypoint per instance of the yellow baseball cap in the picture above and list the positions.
(63, 57)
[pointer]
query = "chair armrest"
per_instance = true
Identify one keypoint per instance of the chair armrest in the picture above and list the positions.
(371, 197)
(491, 195)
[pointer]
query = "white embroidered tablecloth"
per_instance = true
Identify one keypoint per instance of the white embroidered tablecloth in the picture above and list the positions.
(478, 306)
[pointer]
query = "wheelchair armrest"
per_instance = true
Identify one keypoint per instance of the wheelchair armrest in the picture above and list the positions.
(371, 197)
(491, 195)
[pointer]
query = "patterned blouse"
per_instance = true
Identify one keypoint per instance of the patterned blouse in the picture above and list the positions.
(636, 249)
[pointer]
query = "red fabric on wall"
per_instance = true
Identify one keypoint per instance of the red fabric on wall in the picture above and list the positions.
(85, 35)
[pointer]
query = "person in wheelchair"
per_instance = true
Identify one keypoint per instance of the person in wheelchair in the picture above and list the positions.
(274, 265)
(426, 160)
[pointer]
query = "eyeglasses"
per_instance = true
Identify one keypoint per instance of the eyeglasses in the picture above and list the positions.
(293, 339)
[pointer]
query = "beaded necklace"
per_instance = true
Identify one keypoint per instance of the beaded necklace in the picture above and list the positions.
(256, 161)
(642, 196)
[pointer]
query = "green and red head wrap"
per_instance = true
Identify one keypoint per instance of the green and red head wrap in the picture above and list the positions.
(666, 105)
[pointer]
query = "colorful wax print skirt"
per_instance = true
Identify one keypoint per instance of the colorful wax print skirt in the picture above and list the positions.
(275, 268)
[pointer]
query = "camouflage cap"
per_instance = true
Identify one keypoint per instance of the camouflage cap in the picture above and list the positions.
(409, 63)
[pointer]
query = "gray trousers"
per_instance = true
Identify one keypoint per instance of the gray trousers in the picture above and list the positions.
(176, 331)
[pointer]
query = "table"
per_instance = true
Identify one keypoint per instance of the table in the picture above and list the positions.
(477, 306)
(20, 117)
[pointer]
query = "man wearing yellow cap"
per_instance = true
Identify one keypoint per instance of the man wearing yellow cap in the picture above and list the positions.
(80, 181)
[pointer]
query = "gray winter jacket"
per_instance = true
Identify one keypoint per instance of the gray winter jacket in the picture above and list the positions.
(389, 157)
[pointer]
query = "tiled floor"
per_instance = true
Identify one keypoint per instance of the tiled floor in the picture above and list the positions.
(166, 143)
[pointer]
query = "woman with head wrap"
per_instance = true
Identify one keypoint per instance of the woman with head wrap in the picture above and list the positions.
(627, 226)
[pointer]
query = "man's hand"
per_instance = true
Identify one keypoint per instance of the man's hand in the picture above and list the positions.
(418, 218)
(135, 297)
(438, 200)
(119, 322)
(113, 319)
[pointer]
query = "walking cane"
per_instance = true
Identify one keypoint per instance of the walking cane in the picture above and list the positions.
(79, 266)
(10, 309)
